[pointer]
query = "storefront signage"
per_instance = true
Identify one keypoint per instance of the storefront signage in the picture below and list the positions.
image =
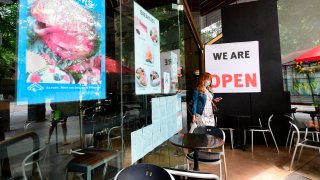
(147, 52)
(234, 66)
(61, 54)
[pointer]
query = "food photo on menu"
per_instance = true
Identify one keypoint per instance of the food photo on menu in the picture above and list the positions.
(154, 35)
(141, 28)
(154, 78)
(63, 45)
(141, 77)
(149, 56)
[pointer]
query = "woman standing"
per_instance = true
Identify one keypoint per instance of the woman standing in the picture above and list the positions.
(203, 106)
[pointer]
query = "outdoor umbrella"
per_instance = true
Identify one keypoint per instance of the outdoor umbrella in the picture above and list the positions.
(309, 56)
(113, 66)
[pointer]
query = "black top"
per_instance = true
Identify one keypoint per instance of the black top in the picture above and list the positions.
(196, 141)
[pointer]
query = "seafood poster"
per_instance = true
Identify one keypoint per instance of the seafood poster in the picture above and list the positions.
(61, 54)
(147, 52)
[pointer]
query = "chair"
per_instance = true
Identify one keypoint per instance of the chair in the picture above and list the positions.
(262, 129)
(212, 158)
(302, 130)
(36, 158)
(184, 174)
(113, 134)
(145, 172)
(226, 129)
(304, 143)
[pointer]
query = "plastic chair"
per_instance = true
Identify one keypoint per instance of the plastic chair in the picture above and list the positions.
(304, 143)
(143, 172)
(262, 129)
(213, 158)
(183, 174)
(302, 130)
(27, 161)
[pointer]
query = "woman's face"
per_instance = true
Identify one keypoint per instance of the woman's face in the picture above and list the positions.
(207, 82)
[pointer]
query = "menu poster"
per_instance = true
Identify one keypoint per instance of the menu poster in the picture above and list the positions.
(147, 52)
(136, 145)
(61, 51)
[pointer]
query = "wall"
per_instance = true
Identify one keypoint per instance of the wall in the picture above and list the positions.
(249, 22)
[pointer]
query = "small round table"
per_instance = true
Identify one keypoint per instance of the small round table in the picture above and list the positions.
(196, 142)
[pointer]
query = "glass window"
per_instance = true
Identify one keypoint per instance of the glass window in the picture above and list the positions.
(86, 94)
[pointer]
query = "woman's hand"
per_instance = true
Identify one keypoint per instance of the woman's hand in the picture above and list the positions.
(193, 118)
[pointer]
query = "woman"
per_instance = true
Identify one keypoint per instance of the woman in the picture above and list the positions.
(203, 102)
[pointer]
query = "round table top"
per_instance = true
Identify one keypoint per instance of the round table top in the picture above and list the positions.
(196, 141)
(143, 171)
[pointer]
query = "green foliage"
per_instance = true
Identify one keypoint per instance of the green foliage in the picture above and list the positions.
(299, 24)
(8, 29)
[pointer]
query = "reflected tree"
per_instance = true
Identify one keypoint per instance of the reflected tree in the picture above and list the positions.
(8, 30)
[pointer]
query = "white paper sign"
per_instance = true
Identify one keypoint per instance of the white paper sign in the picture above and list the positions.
(234, 66)
(156, 134)
(156, 114)
(147, 139)
(147, 52)
(170, 61)
(136, 146)
(166, 82)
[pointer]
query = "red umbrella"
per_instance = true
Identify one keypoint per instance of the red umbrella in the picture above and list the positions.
(311, 55)
(113, 66)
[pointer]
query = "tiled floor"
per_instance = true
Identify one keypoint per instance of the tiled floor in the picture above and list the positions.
(263, 164)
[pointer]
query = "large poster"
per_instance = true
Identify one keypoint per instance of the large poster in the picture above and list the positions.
(61, 55)
(234, 66)
(147, 52)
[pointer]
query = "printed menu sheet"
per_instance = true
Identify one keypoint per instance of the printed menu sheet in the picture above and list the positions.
(156, 113)
(147, 52)
(147, 133)
(136, 145)
(166, 121)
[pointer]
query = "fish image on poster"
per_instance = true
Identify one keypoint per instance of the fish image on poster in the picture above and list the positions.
(61, 53)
